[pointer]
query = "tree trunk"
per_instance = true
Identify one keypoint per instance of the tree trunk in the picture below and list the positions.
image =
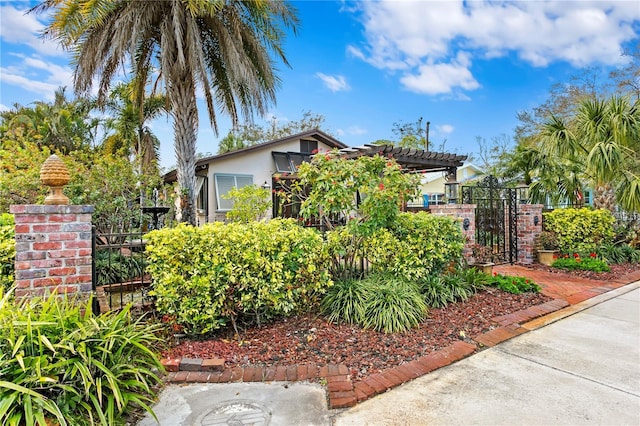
(185, 125)
(604, 197)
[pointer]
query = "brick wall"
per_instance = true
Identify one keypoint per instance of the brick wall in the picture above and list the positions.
(53, 249)
(528, 231)
(461, 212)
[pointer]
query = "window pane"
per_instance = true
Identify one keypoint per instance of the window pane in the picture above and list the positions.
(296, 159)
(282, 162)
(242, 181)
(308, 146)
(224, 185)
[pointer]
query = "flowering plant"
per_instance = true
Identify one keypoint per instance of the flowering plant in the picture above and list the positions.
(576, 262)
(547, 240)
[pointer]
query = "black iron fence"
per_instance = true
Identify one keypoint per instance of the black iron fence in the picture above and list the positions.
(119, 270)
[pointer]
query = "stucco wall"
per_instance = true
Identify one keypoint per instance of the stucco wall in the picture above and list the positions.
(259, 164)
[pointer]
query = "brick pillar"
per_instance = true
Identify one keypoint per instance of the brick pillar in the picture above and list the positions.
(461, 212)
(528, 231)
(53, 249)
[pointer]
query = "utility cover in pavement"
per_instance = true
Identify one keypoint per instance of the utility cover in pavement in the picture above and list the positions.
(237, 413)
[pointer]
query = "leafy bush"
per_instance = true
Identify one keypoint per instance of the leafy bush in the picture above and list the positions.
(205, 277)
(475, 278)
(440, 290)
(250, 203)
(417, 246)
(394, 305)
(515, 285)
(580, 230)
(577, 262)
(618, 253)
(345, 301)
(61, 365)
(379, 301)
(7, 251)
(435, 292)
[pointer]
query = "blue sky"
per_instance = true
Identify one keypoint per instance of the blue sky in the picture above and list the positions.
(467, 67)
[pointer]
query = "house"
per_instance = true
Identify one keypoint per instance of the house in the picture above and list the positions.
(432, 184)
(216, 175)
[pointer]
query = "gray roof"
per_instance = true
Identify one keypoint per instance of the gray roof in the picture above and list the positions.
(316, 134)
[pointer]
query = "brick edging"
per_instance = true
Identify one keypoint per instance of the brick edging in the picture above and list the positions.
(342, 391)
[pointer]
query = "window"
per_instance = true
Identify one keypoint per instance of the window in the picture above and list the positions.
(224, 184)
(282, 161)
(289, 161)
(436, 199)
(308, 146)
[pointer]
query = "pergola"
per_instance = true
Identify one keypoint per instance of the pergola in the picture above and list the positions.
(411, 159)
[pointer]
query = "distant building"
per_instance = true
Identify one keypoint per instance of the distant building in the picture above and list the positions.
(432, 184)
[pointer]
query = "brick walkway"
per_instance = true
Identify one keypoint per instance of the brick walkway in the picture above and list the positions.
(343, 392)
(566, 287)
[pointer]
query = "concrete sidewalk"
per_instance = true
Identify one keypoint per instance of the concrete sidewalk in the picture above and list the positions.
(580, 365)
(583, 369)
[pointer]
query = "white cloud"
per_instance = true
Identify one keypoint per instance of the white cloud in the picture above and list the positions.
(445, 129)
(335, 83)
(24, 29)
(424, 40)
(441, 78)
(33, 74)
(356, 130)
(3, 107)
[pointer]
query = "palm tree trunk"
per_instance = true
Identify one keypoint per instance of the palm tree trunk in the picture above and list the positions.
(185, 125)
(604, 197)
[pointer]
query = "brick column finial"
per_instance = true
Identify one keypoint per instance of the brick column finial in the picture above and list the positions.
(54, 174)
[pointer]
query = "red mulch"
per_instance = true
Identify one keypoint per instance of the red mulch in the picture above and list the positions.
(617, 271)
(310, 339)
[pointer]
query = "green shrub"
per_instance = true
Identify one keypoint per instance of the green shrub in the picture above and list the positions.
(435, 292)
(515, 285)
(206, 277)
(393, 304)
(618, 253)
(577, 262)
(417, 246)
(379, 301)
(580, 230)
(440, 290)
(59, 363)
(475, 278)
(345, 301)
(7, 251)
(250, 203)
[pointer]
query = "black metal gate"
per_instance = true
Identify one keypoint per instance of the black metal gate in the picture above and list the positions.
(496, 218)
(119, 270)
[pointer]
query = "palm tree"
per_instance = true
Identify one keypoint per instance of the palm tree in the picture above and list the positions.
(603, 139)
(128, 122)
(63, 125)
(220, 47)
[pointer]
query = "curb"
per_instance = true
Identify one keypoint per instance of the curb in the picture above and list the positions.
(344, 393)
